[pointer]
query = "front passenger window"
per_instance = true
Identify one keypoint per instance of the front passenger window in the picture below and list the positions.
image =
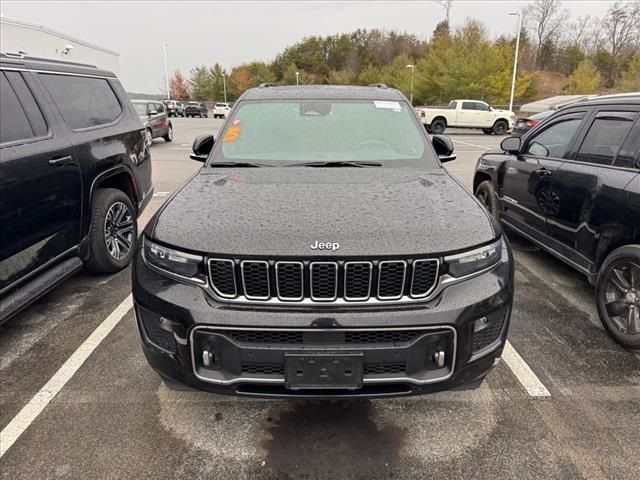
(555, 140)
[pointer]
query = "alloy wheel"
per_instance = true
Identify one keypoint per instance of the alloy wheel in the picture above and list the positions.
(622, 296)
(118, 230)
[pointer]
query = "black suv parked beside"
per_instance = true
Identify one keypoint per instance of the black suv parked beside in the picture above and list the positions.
(322, 250)
(196, 109)
(572, 186)
(74, 175)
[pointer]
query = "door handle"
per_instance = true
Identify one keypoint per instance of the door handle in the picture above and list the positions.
(543, 172)
(61, 161)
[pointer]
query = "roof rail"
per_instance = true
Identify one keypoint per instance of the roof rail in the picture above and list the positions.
(25, 56)
(19, 54)
(377, 85)
(267, 85)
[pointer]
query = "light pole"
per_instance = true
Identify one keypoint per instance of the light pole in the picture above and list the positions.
(166, 70)
(224, 86)
(413, 69)
(297, 78)
(515, 62)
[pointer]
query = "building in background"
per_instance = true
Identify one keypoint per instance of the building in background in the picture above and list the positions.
(40, 41)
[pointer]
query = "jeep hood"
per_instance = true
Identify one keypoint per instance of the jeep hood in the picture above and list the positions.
(283, 211)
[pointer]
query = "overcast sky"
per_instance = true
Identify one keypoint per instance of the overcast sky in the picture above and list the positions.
(236, 32)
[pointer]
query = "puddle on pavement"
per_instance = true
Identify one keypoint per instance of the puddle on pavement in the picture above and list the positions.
(339, 439)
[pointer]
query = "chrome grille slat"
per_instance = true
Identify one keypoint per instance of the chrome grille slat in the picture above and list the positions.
(424, 277)
(323, 281)
(290, 281)
(391, 279)
(255, 279)
(357, 280)
(223, 277)
(348, 282)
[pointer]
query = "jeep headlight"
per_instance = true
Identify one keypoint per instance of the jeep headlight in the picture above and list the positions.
(184, 266)
(476, 260)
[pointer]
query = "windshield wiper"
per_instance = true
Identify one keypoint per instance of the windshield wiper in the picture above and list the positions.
(239, 164)
(336, 164)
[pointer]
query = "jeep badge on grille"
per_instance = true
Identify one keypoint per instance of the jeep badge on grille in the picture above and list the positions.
(325, 246)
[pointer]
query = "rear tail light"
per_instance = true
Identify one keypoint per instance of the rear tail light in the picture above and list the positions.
(531, 123)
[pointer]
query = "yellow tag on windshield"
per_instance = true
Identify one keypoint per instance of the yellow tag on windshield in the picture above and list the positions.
(231, 134)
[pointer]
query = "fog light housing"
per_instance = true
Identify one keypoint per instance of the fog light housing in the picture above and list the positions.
(157, 330)
(486, 331)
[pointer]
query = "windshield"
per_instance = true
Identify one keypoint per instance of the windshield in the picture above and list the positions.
(141, 108)
(324, 130)
(221, 104)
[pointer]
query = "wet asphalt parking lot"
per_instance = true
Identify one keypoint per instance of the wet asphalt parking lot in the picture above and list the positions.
(78, 400)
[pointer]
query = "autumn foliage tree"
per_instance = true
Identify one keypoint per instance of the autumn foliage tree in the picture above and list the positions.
(178, 87)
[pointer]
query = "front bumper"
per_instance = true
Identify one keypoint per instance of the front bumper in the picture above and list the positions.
(403, 350)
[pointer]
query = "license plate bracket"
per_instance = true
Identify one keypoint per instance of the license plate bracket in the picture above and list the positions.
(323, 370)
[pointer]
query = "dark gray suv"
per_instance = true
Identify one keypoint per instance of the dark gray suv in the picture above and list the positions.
(323, 251)
(155, 119)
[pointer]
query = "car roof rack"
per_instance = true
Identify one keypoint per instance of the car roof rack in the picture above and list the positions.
(25, 56)
(377, 85)
(267, 85)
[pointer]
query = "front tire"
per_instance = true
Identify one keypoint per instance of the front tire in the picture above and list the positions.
(618, 295)
(486, 194)
(113, 233)
(500, 127)
(438, 126)
(169, 136)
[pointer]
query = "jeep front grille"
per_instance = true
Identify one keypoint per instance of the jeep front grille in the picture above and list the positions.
(323, 282)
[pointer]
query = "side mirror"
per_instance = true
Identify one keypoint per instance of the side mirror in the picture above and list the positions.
(153, 112)
(443, 147)
(511, 144)
(202, 146)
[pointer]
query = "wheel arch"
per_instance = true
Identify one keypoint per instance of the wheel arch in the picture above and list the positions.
(119, 178)
(440, 117)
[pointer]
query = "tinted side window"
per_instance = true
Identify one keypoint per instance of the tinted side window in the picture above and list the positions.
(83, 101)
(555, 140)
(29, 104)
(468, 106)
(15, 125)
(605, 137)
(481, 106)
(629, 156)
(453, 105)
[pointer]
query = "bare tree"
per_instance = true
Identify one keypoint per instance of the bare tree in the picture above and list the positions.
(545, 18)
(621, 27)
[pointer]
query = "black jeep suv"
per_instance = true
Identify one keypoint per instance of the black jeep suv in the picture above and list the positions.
(572, 186)
(74, 175)
(323, 250)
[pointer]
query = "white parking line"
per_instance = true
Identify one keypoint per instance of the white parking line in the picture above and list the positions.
(523, 373)
(483, 147)
(40, 400)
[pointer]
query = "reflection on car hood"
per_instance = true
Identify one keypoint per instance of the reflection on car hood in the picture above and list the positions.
(281, 212)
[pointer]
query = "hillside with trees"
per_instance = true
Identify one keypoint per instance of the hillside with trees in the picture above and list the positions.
(557, 55)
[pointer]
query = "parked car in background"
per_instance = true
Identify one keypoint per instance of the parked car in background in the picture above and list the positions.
(221, 110)
(523, 125)
(174, 108)
(75, 174)
(234, 296)
(572, 186)
(467, 114)
(196, 109)
(155, 119)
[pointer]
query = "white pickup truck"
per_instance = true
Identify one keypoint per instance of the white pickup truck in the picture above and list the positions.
(467, 114)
